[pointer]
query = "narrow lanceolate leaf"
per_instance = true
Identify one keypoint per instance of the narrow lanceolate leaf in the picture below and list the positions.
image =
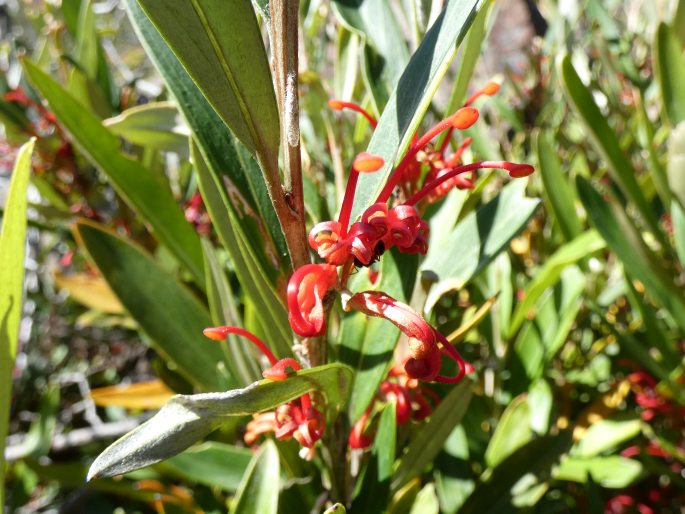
(477, 240)
(493, 495)
(146, 192)
(156, 125)
(670, 72)
(676, 163)
(557, 187)
(164, 308)
(375, 486)
(187, 419)
(513, 431)
(413, 95)
(251, 276)
(428, 442)
(550, 273)
(638, 260)
(219, 43)
(12, 244)
(469, 57)
(224, 311)
(375, 22)
(212, 463)
(258, 492)
(220, 148)
(605, 140)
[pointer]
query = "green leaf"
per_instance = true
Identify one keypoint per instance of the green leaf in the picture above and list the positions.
(258, 492)
(638, 260)
(513, 431)
(220, 45)
(146, 192)
(164, 308)
(678, 220)
(428, 442)
(541, 338)
(185, 419)
(477, 240)
(213, 464)
(454, 479)
(154, 125)
(411, 98)
(676, 163)
(12, 245)
(605, 141)
(606, 435)
(224, 311)
(90, 82)
(670, 73)
(375, 22)
(251, 276)
(495, 494)
(612, 472)
(375, 483)
(426, 501)
(469, 56)
(557, 187)
(585, 244)
(225, 155)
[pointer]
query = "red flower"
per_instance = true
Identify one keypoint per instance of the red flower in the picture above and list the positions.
(297, 419)
(306, 290)
(425, 343)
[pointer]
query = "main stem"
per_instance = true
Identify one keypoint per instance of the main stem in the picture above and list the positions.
(289, 202)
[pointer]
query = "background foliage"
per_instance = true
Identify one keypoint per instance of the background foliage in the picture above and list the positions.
(153, 163)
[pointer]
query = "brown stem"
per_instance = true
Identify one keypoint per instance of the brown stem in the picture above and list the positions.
(289, 202)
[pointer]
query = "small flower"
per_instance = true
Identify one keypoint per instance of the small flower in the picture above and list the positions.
(297, 419)
(426, 345)
(381, 227)
(306, 290)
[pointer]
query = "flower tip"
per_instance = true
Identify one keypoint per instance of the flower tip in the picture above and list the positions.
(490, 88)
(337, 105)
(464, 118)
(521, 170)
(468, 368)
(367, 163)
(216, 333)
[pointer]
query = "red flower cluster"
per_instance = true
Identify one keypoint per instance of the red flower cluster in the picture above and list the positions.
(382, 227)
(339, 243)
(411, 403)
(297, 419)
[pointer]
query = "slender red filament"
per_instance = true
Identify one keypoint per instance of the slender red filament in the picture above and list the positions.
(339, 105)
(489, 89)
(516, 169)
(365, 163)
(458, 117)
(220, 333)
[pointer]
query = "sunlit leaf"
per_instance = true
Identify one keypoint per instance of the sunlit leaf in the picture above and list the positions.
(427, 443)
(219, 43)
(477, 240)
(12, 244)
(259, 488)
(414, 92)
(669, 67)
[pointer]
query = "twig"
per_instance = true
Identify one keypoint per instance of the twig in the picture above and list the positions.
(77, 438)
(289, 204)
